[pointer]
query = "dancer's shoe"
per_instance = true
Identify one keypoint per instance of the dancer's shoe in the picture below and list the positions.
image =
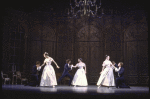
(99, 86)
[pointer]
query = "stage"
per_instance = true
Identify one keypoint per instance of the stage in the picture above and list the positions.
(64, 91)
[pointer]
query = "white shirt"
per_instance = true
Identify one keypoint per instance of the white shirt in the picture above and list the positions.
(117, 69)
(71, 66)
(38, 68)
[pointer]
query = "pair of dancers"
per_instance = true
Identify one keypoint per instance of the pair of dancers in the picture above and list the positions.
(80, 75)
(107, 77)
(48, 77)
(44, 76)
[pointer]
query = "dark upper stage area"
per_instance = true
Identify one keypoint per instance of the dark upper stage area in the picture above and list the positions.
(61, 5)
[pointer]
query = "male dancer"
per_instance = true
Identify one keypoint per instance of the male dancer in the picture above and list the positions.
(120, 82)
(67, 67)
(35, 75)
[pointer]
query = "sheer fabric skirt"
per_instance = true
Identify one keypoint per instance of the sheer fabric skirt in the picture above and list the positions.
(106, 78)
(80, 78)
(48, 77)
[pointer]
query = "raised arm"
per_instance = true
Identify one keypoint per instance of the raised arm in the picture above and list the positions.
(115, 66)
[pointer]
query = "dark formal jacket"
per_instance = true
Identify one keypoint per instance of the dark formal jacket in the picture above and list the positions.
(35, 71)
(66, 69)
(121, 71)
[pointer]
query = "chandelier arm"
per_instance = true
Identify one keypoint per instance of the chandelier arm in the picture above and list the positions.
(99, 7)
(77, 12)
(74, 7)
(92, 12)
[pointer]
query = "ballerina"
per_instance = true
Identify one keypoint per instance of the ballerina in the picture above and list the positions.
(48, 77)
(80, 77)
(107, 77)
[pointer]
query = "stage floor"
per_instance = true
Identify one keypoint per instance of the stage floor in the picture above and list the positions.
(60, 91)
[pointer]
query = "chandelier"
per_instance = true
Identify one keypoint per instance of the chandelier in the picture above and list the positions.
(85, 8)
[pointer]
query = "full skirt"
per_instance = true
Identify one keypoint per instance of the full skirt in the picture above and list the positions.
(80, 78)
(106, 78)
(48, 77)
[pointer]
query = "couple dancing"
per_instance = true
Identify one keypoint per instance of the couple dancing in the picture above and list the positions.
(48, 77)
(79, 77)
(107, 77)
(44, 76)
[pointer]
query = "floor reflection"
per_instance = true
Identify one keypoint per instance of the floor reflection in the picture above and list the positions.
(105, 90)
(80, 89)
(48, 89)
(71, 89)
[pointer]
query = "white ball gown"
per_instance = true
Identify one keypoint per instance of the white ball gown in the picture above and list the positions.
(107, 77)
(80, 77)
(48, 77)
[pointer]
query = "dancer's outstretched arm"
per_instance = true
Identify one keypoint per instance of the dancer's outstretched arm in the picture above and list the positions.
(55, 63)
(41, 66)
(43, 63)
(75, 65)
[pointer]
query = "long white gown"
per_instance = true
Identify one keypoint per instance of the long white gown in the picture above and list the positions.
(48, 77)
(80, 77)
(107, 77)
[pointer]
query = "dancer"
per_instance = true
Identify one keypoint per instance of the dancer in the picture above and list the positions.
(67, 67)
(48, 77)
(36, 72)
(35, 76)
(107, 77)
(120, 82)
(80, 77)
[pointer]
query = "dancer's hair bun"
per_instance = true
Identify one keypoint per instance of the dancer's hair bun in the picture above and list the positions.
(106, 55)
(81, 59)
(46, 53)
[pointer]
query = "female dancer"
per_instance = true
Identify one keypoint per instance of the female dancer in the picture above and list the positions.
(107, 77)
(80, 77)
(48, 77)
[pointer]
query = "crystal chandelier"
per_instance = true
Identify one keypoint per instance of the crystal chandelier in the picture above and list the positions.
(85, 8)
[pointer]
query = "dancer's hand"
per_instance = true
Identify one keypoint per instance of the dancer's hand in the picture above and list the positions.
(100, 72)
(37, 66)
(113, 66)
(58, 67)
(70, 65)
